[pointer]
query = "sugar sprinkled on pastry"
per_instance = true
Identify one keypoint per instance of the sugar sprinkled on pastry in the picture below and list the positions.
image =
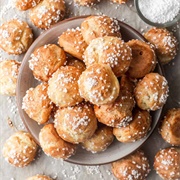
(15, 36)
(167, 163)
(63, 87)
(9, 70)
(133, 167)
(151, 92)
(86, 3)
(24, 5)
(77, 123)
(19, 149)
(109, 50)
(98, 84)
(53, 145)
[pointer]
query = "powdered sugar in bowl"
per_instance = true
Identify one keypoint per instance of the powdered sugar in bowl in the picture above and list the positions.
(159, 13)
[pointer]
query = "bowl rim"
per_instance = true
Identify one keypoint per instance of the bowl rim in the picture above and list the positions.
(166, 24)
(19, 103)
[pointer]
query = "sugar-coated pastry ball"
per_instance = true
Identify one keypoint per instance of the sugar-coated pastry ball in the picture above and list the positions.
(53, 145)
(143, 58)
(37, 104)
(63, 87)
(101, 139)
(136, 129)
(77, 123)
(15, 36)
(132, 167)
(109, 50)
(170, 127)
(47, 13)
(39, 177)
(20, 149)
(99, 26)
(167, 163)
(151, 92)
(98, 84)
(72, 42)
(9, 70)
(24, 5)
(45, 60)
(165, 42)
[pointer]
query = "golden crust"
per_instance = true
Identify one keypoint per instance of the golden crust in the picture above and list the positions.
(15, 37)
(76, 63)
(39, 177)
(151, 92)
(170, 128)
(98, 84)
(47, 13)
(87, 3)
(119, 1)
(134, 166)
(76, 124)
(167, 163)
(53, 145)
(45, 60)
(143, 59)
(101, 139)
(24, 5)
(73, 43)
(165, 43)
(118, 113)
(63, 86)
(37, 104)
(20, 149)
(9, 70)
(98, 26)
(136, 129)
(111, 51)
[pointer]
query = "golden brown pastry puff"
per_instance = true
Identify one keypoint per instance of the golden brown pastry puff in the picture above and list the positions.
(45, 60)
(167, 163)
(101, 139)
(98, 84)
(37, 104)
(109, 50)
(136, 129)
(53, 145)
(73, 43)
(119, 112)
(133, 167)
(9, 70)
(143, 59)
(24, 5)
(19, 149)
(77, 123)
(63, 86)
(98, 26)
(165, 43)
(47, 13)
(15, 36)
(151, 92)
(76, 63)
(39, 177)
(87, 3)
(170, 128)
(119, 1)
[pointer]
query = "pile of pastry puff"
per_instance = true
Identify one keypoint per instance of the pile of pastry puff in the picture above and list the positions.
(95, 87)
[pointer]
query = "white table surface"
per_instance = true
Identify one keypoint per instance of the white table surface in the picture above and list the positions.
(59, 169)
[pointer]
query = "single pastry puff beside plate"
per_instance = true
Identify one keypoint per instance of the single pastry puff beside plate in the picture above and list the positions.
(151, 92)
(98, 84)
(99, 26)
(53, 145)
(109, 50)
(39, 177)
(20, 149)
(170, 128)
(37, 104)
(63, 87)
(15, 37)
(77, 123)
(167, 163)
(133, 167)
